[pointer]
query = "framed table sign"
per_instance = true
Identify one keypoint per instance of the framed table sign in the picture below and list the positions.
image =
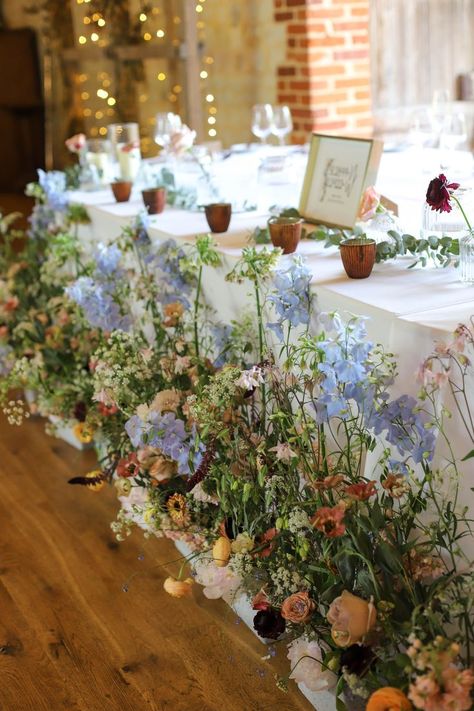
(338, 171)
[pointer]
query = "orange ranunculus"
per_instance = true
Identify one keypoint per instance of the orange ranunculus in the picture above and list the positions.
(351, 618)
(178, 588)
(221, 551)
(388, 699)
(298, 608)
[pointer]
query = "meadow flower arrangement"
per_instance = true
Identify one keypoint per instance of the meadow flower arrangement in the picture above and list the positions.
(273, 448)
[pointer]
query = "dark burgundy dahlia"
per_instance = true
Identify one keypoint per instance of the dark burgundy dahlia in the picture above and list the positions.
(269, 624)
(438, 195)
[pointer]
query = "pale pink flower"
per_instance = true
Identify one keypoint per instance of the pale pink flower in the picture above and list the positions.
(182, 140)
(198, 493)
(369, 204)
(217, 581)
(182, 364)
(76, 143)
(423, 689)
(250, 379)
(306, 662)
(283, 451)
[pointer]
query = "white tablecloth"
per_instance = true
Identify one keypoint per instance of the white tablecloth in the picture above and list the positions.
(407, 309)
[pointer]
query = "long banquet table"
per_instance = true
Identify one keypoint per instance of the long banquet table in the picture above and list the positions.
(407, 309)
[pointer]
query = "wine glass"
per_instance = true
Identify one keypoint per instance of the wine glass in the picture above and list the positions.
(282, 123)
(440, 107)
(262, 121)
(166, 124)
(453, 138)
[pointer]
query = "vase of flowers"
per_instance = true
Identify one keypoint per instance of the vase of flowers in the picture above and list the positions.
(439, 197)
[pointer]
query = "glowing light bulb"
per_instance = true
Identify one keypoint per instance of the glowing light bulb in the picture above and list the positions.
(212, 132)
(102, 94)
(210, 98)
(142, 17)
(161, 76)
(82, 39)
(203, 74)
(147, 36)
(94, 36)
(160, 33)
(111, 101)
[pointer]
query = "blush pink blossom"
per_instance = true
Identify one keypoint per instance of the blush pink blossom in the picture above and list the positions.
(369, 204)
(306, 661)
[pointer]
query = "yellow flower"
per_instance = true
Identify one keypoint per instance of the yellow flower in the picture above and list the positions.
(177, 510)
(221, 551)
(83, 432)
(388, 699)
(95, 485)
(178, 588)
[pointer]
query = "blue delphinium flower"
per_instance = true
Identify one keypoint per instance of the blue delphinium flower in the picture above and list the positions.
(406, 427)
(291, 297)
(167, 263)
(98, 305)
(107, 259)
(53, 183)
(221, 334)
(6, 359)
(41, 218)
(165, 432)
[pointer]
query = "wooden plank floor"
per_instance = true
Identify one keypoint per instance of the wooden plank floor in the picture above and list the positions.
(72, 640)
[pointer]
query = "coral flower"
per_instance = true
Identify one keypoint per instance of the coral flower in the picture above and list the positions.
(369, 204)
(173, 313)
(388, 699)
(330, 521)
(439, 192)
(267, 550)
(178, 588)
(298, 608)
(128, 466)
(260, 601)
(362, 491)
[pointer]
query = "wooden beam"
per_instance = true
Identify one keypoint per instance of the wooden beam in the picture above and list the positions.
(123, 53)
(190, 53)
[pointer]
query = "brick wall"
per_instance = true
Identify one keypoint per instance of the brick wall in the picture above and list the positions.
(325, 78)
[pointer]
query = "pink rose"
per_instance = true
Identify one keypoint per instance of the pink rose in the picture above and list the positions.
(76, 143)
(369, 204)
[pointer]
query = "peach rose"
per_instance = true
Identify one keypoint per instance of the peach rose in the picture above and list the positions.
(178, 588)
(351, 618)
(162, 469)
(173, 312)
(221, 551)
(369, 204)
(388, 699)
(298, 608)
(166, 401)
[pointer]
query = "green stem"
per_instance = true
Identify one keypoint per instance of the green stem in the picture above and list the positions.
(196, 311)
(458, 203)
(261, 342)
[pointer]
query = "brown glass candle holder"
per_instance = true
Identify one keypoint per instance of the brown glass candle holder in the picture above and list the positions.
(122, 189)
(358, 256)
(285, 232)
(218, 216)
(155, 200)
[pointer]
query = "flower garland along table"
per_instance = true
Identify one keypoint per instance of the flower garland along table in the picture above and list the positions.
(275, 447)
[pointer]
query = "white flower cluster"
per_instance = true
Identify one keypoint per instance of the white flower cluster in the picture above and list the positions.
(286, 582)
(298, 520)
(15, 412)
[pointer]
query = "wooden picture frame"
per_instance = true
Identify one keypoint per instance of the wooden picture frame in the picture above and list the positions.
(338, 171)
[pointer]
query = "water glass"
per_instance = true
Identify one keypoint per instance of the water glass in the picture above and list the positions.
(466, 257)
(125, 140)
(99, 156)
(166, 124)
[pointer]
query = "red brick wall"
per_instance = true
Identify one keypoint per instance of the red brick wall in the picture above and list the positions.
(326, 76)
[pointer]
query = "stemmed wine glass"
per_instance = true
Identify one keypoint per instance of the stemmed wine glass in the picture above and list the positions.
(166, 124)
(282, 123)
(262, 121)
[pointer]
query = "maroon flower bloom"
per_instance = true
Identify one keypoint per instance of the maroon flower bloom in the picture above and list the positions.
(438, 195)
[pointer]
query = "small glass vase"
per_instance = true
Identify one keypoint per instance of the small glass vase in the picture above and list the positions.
(466, 257)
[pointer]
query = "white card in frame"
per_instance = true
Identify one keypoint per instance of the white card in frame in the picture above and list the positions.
(339, 169)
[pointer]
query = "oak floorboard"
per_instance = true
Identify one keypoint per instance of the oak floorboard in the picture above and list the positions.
(72, 640)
